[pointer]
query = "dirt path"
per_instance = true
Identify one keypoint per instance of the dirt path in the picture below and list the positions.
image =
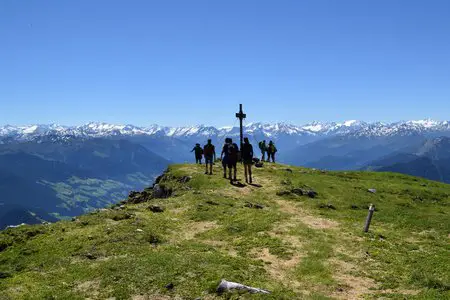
(299, 215)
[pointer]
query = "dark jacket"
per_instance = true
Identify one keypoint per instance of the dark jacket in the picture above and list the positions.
(209, 150)
(198, 151)
(247, 151)
(230, 152)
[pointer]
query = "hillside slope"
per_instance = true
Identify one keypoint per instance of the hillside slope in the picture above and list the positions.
(70, 178)
(264, 235)
(430, 160)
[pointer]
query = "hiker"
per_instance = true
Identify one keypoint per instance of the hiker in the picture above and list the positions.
(198, 153)
(271, 150)
(229, 157)
(247, 158)
(209, 151)
(263, 148)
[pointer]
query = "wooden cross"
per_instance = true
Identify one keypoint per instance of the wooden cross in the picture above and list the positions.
(241, 116)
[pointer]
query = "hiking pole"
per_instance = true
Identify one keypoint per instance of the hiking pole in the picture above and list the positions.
(369, 217)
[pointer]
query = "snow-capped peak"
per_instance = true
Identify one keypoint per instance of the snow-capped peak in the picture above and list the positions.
(427, 123)
(349, 127)
(349, 122)
(314, 126)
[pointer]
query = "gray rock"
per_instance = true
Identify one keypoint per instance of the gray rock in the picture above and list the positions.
(185, 179)
(328, 206)
(156, 209)
(160, 191)
(138, 197)
(304, 192)
(254, 205)
(298, 191)
(283, 193)
(90, 256)
(373, 191)
(312, 194)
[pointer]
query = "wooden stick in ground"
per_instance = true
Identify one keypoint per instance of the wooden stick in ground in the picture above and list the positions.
(369, 217)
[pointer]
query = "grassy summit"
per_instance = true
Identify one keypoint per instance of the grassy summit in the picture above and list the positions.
(295, 246)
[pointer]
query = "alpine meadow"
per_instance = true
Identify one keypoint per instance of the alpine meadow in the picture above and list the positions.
(199, 150)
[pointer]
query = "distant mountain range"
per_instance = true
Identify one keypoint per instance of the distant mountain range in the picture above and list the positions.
(54, 171)
(352, 127)
(174, 143)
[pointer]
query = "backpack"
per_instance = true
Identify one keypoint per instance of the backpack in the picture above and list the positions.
(209, 150)
(272, 148)
(261, 145)
(233, 150)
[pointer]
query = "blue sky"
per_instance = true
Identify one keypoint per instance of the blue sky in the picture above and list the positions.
(190, 62)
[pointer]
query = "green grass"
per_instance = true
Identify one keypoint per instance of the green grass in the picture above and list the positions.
(90, 193)
(296, 246)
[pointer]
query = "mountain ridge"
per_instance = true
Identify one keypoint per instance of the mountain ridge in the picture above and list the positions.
(431, 159)
(351, 127)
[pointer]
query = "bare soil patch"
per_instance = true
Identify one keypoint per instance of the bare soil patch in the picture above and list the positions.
(90, 288)
(309, 220)
(224, 246)
(277, 268)
(350, 286)
(195, 228)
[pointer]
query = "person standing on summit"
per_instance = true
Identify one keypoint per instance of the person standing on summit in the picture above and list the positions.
(247, 157)
(271, 150)
(198, 151)
(263, 148)
(209, 151)
(229, 157)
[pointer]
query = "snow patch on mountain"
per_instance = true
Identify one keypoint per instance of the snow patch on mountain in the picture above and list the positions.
(427, 123)
(349, 123)
(314, 129)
